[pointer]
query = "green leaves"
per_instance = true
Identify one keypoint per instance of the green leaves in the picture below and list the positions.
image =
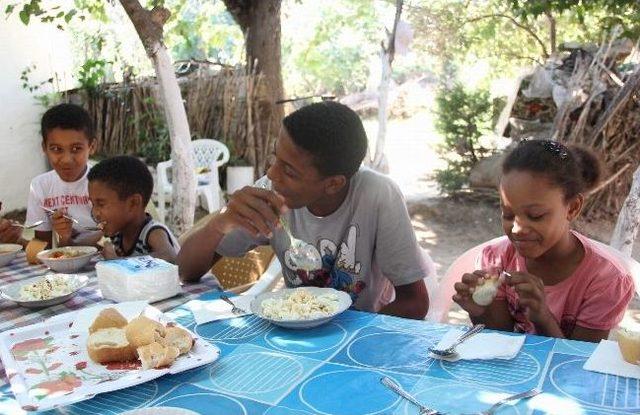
(52, 14)
(463, 118)
(69, 15)
(24, 16)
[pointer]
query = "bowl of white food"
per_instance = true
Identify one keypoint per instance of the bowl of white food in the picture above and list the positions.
(8, 253)
(67, 259)
(301, 308)
(44, 291)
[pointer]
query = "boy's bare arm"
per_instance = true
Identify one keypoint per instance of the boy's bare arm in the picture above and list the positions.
(412, 301)
(197, 251)
(252, 209)
(161, 246)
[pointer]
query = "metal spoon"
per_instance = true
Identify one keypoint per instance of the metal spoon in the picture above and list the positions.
(304, 255)
(451, 350)
(25, 226)
(74, 220)
(64, 216)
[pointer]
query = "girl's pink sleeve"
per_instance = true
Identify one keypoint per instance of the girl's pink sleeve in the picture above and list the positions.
(605, 300)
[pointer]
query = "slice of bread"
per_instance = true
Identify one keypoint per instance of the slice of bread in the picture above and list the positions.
(180, 338)
(142, 331)
(110, 345)
(108, 318)
(629, 343)
(156, 355)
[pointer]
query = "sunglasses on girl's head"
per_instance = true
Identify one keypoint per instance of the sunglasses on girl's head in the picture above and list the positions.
(551, 146)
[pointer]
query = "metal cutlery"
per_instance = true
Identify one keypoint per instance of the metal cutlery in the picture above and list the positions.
(25, 226)
(451, 350)
(391, 384)
(304, 255)
(74, 220)
(234, 309)
(523, 395)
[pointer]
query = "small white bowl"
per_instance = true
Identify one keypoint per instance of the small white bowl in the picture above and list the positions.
(11, 291)
(68, 265)
(8, 253)
(344, 302)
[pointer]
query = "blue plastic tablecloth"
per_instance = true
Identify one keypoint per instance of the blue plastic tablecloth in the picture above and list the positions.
(336, 369)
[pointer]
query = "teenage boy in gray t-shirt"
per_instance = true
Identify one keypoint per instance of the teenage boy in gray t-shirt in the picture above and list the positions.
(354, 218)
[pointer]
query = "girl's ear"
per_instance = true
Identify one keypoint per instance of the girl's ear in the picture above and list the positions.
(575, 207)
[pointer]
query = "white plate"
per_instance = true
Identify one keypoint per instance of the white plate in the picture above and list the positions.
(71, 376)
(344, 302)
(68, 265)
(8, 253)
(11, 291)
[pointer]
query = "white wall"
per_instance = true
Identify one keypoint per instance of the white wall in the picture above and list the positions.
(21, 156)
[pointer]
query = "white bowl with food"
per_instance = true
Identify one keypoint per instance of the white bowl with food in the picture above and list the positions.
(67, 259)
(44, 291)
(8, 253)
(300, 308)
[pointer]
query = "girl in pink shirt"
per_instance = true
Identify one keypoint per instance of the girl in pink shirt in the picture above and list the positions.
(562, 284)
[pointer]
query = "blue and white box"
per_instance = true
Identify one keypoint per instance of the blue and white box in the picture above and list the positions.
(138, 278)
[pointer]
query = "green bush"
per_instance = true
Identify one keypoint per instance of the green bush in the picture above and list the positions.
(463, 117)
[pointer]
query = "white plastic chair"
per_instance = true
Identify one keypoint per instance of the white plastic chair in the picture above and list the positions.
(631, 265)
(208, 154)
(441, 302)
(268, 280)
(466, 262)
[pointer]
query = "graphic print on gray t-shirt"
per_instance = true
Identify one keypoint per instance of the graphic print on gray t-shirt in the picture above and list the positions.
(340, 268)
(367, 245)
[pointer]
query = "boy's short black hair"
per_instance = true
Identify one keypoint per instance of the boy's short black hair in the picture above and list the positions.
(126, 175)
(67, 117)
(334, 135)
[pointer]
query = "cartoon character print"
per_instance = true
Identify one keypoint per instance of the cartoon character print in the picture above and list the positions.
(339, 270)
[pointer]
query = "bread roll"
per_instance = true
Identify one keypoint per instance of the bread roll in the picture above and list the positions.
(486, 292)
(156, 355)
(34, 247)
(110, 345)
(142, 331)
(180, 338)
(629, 343)
(108, 318)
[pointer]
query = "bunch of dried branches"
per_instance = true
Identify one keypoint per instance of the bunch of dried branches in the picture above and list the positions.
(223, 104)
(603, 113)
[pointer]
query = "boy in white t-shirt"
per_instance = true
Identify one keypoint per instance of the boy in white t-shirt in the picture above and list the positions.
(68, 139)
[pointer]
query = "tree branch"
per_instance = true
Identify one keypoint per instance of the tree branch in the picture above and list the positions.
(524, 27)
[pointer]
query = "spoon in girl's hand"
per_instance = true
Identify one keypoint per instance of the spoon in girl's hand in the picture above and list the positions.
(25, 226)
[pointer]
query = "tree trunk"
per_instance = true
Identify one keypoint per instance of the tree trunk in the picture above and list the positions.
(552, 31)
(628, 222)
(260, 23)
(148, 24)
(380, 162)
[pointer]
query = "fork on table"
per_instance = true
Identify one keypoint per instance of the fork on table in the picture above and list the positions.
(234, 309)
